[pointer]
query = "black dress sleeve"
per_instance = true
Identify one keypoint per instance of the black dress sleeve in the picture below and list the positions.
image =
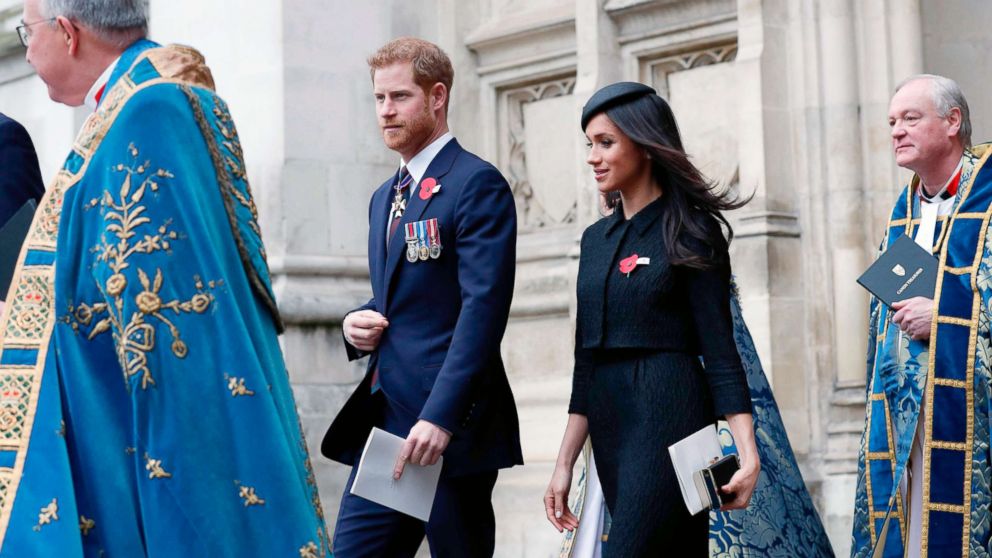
(583, 357)
(708, 296)
(580, 375)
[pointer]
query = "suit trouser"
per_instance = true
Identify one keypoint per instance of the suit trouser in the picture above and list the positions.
(462, 522)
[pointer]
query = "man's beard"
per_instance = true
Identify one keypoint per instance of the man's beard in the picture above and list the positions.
(412, 132)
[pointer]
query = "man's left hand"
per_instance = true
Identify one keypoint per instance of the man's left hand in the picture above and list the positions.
(424, 445)
(914, 317)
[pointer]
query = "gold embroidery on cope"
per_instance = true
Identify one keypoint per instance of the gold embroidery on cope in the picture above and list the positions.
(234, 161)
(228, 165)
(237, 386)
(30, 309)
(183, 63)
(154, 468)
(235, 157)
(309, 550)
(311, 478)
(247, 493)
(124, 218)
(15, 392)
(86, 525)
(318, 509)
(48, 514)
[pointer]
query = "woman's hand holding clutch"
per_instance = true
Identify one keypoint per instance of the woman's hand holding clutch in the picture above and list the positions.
(742, 484)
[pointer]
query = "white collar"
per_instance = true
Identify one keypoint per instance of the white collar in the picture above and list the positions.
(936, 198)
(419, 163)
(90, 100)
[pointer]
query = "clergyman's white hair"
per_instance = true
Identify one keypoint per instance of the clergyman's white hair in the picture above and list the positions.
(120, 22)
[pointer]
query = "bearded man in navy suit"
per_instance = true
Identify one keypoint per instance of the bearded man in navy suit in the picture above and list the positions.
(442, 251)
(20, 178)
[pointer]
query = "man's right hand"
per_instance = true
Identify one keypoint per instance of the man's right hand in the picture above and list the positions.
(364, 328)
(914, 316)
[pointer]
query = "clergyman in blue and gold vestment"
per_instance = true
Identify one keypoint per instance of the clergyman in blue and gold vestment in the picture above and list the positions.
(924, 466)
(145, 408)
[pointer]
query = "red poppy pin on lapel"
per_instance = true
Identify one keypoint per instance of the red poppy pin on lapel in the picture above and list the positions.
(428, 187)
(628, 264)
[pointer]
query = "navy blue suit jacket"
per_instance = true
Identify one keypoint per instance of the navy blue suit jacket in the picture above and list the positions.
(439, 359)
(20, 177)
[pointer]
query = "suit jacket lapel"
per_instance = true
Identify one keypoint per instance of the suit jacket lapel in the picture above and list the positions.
(415, 209)
(377, 235)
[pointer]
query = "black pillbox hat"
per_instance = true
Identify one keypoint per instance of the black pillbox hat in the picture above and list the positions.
(612, 95)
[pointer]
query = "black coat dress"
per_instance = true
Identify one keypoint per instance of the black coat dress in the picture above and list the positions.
(638, 376)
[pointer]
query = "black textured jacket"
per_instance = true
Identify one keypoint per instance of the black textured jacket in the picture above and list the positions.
(657, 306)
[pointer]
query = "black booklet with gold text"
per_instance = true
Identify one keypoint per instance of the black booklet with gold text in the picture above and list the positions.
(904, 271)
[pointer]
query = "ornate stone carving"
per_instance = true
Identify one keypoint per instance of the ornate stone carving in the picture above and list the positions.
(544, 195)
(658, 69)
(699, 84)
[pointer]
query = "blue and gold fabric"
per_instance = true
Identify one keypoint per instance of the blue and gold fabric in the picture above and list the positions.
(781, 519)
(954, 368)
(145, 408)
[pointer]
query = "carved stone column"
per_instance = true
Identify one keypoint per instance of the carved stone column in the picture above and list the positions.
(853, 64)
(526, 65)
(599, 64)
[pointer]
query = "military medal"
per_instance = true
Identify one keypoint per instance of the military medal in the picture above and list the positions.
(429, 187)
(435, 238)
(399, 199)
(425, 251)
(628, 264)
(411, 243)
(398, 206)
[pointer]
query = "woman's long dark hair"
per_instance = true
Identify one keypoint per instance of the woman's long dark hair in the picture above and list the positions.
(689, 198)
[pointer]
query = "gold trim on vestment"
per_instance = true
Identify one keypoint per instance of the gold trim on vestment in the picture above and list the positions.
(947, 382)
(946, 508)
(953, 446)
(915, 221)
(969, 375)
(900, 512)
(973, 215)
(960, 270)
(182, 64)
(951, 320)
(868, 460)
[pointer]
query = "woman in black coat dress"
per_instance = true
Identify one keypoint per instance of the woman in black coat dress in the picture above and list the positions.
(653, 296)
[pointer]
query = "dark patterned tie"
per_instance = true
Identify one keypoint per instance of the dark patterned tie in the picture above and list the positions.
(403, 180)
